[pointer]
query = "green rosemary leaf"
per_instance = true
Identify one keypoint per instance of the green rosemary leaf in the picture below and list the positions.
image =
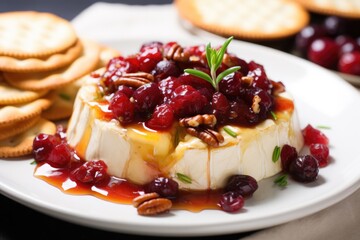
(276, 154)
(184, 178)
(221, 52)
(33, 162)
(199, 74)
(273, 115)
(65, 96)
(323, 127)
(208, 54)
(225, 73)
(281, 180)
(230, 132)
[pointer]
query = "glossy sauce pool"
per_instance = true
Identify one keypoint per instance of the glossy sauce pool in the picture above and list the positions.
(121, 191)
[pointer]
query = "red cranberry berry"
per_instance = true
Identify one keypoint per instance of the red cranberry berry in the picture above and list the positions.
(60, 156)
(149, 58)
(43, 144)
(147, 97)
(287, 155)
(230, 85)
(313, 135)
(321, 153)
(324, 52)
(231, 202)
(91, 172)
(350, 63)
(122, 107)
(220, 106)
(257, 71)
(167, 87)
(187, 101)
(245, 185)
(305, 168)
(153, 44)
(162, 117)
(128, 91)
(165, 187)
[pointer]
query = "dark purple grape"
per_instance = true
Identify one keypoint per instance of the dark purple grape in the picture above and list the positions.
(335, 25)
(307, 35)
(164, 69)
(231, 202)
(163, 186)
(245, 185)
(305, 168)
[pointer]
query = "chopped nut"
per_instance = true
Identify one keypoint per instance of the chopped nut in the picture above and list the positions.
(195, 121)
(143, 198)
(247, 81)
(176, 53)
(154, 206)
(209, 136)
(228, 61)
(255, 104)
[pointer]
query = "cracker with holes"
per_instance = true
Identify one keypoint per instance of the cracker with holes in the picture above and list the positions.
(14, 114)
(31, 64)
(39, 81)
(344, 8)
(31, 34)
(21, 145)
(246, 19)
(12, 96)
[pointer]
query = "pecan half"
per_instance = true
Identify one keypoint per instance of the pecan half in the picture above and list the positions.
(207, 135)
(195, 121)
(134, 79)
(176, 53)
(143, 198)
(154, 206)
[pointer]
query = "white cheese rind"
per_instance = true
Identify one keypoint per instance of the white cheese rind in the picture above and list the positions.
(140, 155)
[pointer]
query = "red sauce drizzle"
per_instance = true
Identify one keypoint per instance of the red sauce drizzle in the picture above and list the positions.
(120, 190)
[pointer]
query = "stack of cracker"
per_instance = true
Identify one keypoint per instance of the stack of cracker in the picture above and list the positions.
(42, 62)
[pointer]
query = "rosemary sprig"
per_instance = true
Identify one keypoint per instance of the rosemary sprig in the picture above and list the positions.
(184, 178)
(214, 59)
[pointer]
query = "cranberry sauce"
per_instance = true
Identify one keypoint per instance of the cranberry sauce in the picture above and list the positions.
(151, 87)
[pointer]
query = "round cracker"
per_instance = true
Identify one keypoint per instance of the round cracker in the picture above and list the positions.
(27, 34)
(30, 65)
(63, 105)
(39, 81)
(17, 128)
(12, 96)
(344, 8)
(12, 114)
(247, 19)
(21, 144)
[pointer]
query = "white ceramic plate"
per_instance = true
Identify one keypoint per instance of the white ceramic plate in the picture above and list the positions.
(321, 98)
